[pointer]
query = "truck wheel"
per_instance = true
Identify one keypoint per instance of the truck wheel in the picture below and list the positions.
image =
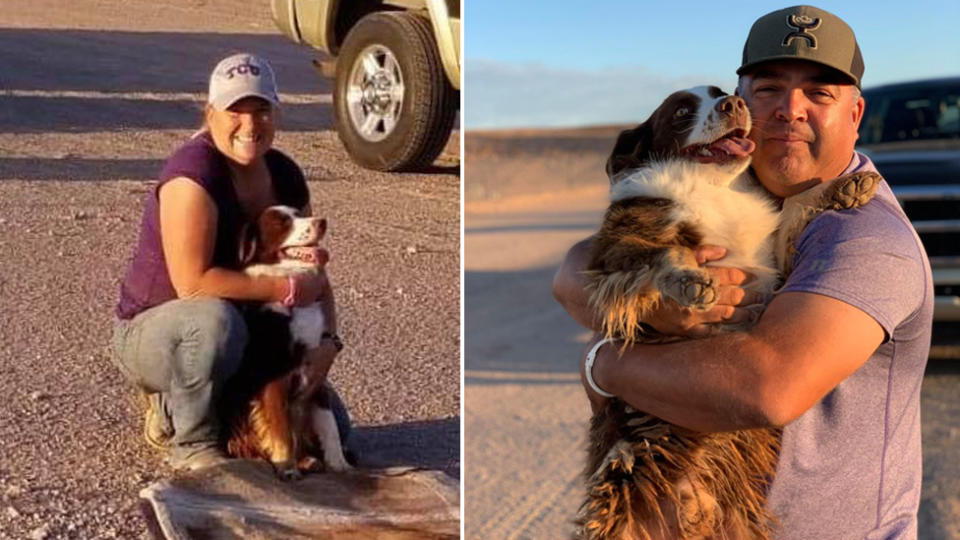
(393, 104)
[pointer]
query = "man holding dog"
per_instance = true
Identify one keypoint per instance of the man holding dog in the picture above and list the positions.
(838, 356)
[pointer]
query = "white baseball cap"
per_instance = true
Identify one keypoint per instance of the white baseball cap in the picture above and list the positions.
(240, 76)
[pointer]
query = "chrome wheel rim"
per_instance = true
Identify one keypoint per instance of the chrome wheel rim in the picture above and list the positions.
(375, 93)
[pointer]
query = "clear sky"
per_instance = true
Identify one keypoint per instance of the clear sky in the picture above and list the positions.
(539, 63)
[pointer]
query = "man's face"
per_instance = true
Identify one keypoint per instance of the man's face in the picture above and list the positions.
(805, 120)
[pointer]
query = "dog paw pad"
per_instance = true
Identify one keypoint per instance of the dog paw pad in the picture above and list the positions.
(692, 288)
(853, 190)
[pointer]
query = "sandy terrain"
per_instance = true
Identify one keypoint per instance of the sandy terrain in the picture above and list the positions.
(94, 95)
(530, 195)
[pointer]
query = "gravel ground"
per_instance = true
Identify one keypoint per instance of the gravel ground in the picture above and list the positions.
(93, 96)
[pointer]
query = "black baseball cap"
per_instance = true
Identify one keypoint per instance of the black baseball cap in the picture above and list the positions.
(804, 33)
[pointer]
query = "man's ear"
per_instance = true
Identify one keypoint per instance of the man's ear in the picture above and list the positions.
(247, 248)
(631, 150)
(857, 112)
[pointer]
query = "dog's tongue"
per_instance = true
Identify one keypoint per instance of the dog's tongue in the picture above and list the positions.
(735, 146)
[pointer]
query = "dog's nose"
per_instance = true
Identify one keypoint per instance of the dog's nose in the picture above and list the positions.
(730, 105)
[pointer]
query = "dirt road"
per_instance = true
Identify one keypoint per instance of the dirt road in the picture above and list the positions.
(94, 95)
(529, 197)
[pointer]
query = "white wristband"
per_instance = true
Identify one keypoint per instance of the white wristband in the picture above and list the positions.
(588, 367)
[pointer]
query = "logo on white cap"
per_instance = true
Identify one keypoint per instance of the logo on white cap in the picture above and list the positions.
(240, 76)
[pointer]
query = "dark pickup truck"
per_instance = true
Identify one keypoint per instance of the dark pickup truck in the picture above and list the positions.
(911, 131)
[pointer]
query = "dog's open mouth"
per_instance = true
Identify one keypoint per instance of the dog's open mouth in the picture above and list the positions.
(308, 254)
(733, 145)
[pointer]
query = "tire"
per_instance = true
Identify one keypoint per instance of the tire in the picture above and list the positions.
(399, 116)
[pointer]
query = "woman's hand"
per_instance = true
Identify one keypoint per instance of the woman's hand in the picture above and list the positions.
(311, 288)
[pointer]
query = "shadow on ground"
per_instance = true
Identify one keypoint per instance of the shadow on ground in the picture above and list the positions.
(428, 444)
(79, 169)
(129, 63)
(514, 326)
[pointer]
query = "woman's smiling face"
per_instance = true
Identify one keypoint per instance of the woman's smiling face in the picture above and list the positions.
(244, 132)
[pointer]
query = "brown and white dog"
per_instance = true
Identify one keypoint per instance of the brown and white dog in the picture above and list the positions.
(681, 180)
(276, 408)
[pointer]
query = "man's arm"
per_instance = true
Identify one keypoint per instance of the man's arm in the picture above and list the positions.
(803, 346)
(569, 286)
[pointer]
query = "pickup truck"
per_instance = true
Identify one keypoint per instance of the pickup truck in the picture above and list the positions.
(911, 131)
(396, 65)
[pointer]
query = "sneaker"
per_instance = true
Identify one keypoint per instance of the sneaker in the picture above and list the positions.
(208, 456)
(157, 428)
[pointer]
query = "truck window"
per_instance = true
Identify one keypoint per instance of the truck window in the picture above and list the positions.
(917, 114)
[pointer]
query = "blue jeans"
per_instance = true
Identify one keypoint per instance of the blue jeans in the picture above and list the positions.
(186, 350)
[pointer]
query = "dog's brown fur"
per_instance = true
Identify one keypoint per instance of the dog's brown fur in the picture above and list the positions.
(658, 137)
(648, 479)
(637, 236)
(267, 407)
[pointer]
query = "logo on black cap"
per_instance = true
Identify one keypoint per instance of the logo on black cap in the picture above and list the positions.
(802, 23)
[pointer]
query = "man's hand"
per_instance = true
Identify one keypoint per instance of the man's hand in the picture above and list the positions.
(672, 320)
(669, 319)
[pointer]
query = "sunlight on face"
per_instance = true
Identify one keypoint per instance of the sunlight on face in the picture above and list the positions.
(244, 132)
(805, 120)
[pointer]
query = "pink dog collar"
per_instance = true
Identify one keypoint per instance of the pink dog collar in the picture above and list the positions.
(291, 297)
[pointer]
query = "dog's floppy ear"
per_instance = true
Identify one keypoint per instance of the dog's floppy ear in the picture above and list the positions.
(631, 150)
(247, 245)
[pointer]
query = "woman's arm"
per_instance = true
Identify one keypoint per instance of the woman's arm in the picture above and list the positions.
(188, 230)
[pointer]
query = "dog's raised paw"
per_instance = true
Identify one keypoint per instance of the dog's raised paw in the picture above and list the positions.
(309, 464)
(287, 471)
(290, 475)
(690, 288)
(852, 191)
(338, 465)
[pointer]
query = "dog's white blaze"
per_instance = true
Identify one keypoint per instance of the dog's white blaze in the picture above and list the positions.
(724, 204)
(706, 128)
(325, 426)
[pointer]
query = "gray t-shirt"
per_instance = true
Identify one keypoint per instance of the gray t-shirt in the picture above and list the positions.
(850, 467)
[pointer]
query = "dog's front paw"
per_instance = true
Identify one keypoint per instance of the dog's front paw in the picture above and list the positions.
(287, 471)
(339, 466)
(290, 475)
(692, 288)
(851, 191)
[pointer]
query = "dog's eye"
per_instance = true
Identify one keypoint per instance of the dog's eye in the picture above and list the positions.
(682, 111)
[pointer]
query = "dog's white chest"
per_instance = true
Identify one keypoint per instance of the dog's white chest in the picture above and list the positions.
(306, 325)
(729, 211)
